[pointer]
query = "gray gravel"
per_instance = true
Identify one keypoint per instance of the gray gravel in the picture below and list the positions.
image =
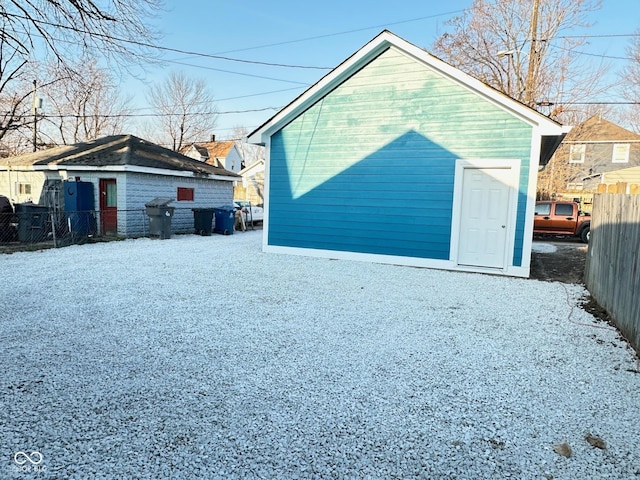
(201, 357)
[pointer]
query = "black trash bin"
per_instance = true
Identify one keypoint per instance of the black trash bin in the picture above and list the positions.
(160, 214)
(32, 222)
(202, 220)
(7, 223)
(225, 219)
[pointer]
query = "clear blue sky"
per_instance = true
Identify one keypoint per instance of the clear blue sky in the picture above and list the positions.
(316, 34)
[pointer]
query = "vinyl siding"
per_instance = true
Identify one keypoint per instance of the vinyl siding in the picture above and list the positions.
(370, 167)
(134, 191)
(141, 188)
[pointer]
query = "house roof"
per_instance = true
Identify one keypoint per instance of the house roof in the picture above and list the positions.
(381, 43)
(217, 149)
(597, 129)
(114, 151)
(201, 150)
(631, 175)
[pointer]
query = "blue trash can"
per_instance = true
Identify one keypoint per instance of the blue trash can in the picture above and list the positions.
(225, 219)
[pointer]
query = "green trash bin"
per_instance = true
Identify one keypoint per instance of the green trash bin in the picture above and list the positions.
(225, 219)
(203, 220)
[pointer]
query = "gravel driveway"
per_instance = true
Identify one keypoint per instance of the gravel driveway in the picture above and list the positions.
(201, 357)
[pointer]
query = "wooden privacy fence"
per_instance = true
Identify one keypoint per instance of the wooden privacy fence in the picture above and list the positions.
(612, 272)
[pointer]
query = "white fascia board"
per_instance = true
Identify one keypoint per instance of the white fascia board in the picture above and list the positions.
(125, 169)
(375, 47)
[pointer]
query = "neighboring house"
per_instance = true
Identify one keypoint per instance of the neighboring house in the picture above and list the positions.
(630, 176)
(590, 150)
(252, 186)
(218, 154)
(397, 157)
(126, 172)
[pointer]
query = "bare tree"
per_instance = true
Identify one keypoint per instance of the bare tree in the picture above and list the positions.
(15, 95)
(631, 83)
(116, 29)
(555, 176)
(185, 109)
(83, 106)
(516, 47)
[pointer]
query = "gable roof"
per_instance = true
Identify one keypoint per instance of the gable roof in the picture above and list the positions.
(597, 129)
(114, 151)
(216, 149)
(382, 42)
(201, 150)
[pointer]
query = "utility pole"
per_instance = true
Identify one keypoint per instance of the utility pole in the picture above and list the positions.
(35, 115)
(533, 55)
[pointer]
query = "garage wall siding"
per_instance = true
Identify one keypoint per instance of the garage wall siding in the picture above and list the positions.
(141, 188)
(370, 167)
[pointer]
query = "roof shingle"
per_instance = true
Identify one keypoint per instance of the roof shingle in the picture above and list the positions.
(116, 150)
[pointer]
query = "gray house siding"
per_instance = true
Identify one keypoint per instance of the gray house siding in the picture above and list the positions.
(139, 188)
(134, 190)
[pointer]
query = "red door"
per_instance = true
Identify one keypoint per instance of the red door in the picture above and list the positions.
(108, 206)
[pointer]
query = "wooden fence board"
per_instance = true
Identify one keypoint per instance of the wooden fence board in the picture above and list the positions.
(612, 272)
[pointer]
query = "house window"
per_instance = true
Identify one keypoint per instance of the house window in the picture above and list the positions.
(185, 194)
(577, 153)
(620, 153)
(575, 186)
(24, 189)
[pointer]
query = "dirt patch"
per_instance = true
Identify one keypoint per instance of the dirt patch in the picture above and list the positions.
(591, 306)
(565, 265)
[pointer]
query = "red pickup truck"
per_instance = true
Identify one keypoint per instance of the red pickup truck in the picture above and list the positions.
(561, 218)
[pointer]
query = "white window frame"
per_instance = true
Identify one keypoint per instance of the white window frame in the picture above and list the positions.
(620, 153)
(575, 186)
(577, 149)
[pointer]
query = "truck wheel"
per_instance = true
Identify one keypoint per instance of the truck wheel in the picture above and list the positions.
(585, 235)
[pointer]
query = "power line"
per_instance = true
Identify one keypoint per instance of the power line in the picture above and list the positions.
(606, 35)
(239, 73)
(595, 103)
(579, 52)
(158, 47)
(345, 32)
(217, 100)
(136, 115)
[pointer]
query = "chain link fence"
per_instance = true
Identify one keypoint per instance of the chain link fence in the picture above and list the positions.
(33, 226)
